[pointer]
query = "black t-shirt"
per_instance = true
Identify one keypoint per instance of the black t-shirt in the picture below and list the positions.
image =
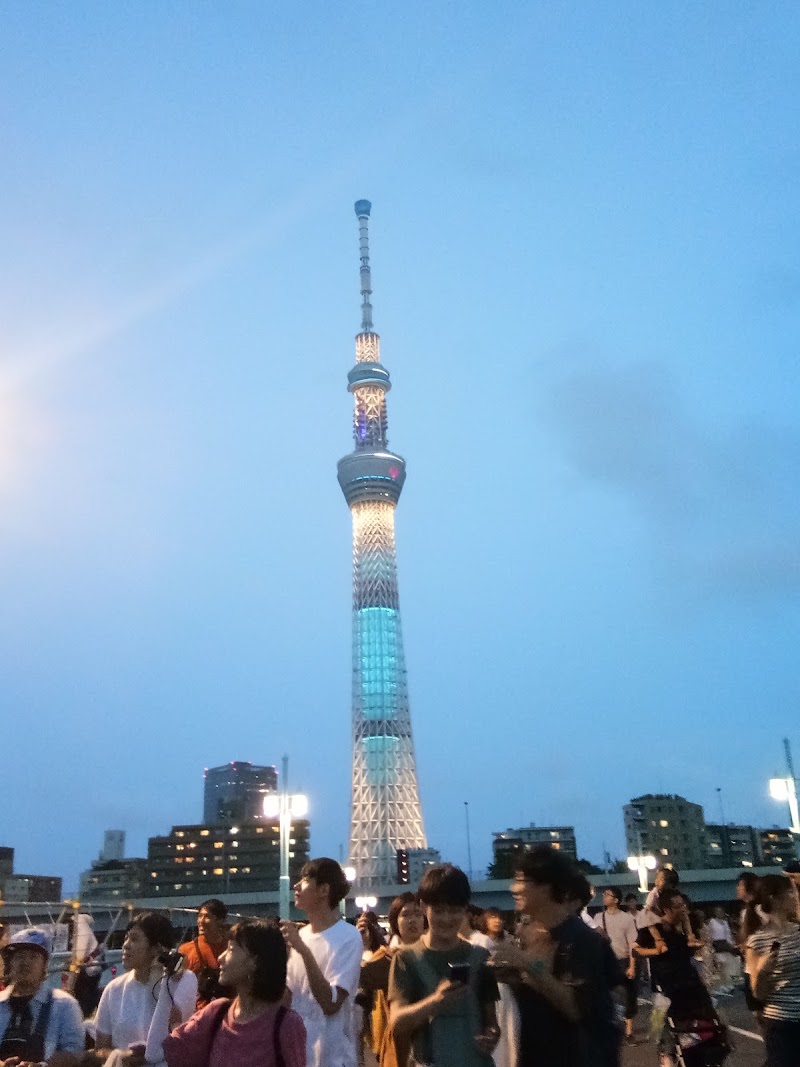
(673, 971)
(550, 1039)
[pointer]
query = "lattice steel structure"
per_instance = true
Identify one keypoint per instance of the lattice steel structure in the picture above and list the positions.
(386, 813)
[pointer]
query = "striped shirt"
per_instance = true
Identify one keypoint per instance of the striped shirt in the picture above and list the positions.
(783, 1000)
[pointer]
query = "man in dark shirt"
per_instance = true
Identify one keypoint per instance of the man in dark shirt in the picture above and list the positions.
(560, 975)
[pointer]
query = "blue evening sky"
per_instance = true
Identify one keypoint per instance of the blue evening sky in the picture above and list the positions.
(584, 238)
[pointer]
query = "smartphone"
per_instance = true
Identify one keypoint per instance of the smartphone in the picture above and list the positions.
(459, 972)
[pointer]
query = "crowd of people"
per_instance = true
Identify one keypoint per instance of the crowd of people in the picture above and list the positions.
(444, 984)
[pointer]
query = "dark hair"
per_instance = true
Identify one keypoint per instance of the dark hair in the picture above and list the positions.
(545, 866)
(772, 887)
(483, 920)
(667, 897)
(582, 890)
(613, 889)
(156, 928)
(749, 881)
(263, 941)
(327, 872)
(444, 884)
(671, 876)
(397, 906)
(214, 907)
(633, 897)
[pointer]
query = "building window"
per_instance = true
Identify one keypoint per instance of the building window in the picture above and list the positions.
(204, 833)
(663, 822)
(218, 870)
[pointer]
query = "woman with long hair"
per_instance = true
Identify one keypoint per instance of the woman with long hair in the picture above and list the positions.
(253, 1029)
(773, 963)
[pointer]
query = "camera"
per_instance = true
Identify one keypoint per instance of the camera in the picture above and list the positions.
(170, 960)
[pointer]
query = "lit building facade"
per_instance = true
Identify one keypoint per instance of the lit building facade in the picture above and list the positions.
(386, 814)
(668, 827)
(508, 844)
(211, 861)
(235, 792)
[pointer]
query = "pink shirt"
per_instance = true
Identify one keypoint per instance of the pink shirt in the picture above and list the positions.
(237, 1044)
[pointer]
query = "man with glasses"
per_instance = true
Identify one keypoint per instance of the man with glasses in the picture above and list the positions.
(563, 976)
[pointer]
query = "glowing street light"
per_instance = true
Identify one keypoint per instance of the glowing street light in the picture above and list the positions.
(642, 864)
(285, 807)
(365, 903)
(785, 790)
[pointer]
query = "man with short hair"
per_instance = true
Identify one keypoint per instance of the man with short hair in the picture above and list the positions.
(37, 1023)
(618, 927)
(563, 979)
(203, 952)
(325, 966)
(441, 994)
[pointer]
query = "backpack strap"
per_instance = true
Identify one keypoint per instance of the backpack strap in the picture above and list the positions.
(44, 1017)
(213, 963)
(276, 1037)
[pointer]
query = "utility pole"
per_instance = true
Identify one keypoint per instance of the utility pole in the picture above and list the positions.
(469, 842)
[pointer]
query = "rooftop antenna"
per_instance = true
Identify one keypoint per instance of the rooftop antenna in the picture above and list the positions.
(363, 208)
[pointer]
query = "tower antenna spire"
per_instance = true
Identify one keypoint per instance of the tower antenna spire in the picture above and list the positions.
(363, 208)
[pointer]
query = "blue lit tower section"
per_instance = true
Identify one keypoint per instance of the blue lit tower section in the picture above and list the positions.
(386, 813)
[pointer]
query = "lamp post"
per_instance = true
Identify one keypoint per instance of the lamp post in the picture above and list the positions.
(350, 875)
(785, 789)
(285, 807)
(365, 903)
(642, 864)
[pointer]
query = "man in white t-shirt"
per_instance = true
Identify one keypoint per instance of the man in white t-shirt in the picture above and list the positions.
(128, 1003)
(324, 966)
(726, 956)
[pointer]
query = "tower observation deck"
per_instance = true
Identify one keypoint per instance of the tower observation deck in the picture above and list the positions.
(385, 813)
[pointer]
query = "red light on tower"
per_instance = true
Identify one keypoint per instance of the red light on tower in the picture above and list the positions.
(393, 472)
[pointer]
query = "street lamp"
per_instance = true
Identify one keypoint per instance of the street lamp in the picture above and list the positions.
(642, 864)
(785, 789)
(285, 807)
(365, 903)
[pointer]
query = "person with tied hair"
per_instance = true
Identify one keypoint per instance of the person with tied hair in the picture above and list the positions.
(253, 1029)
(128, 1003)
(773, 963)
(441, 993)
(324, 965)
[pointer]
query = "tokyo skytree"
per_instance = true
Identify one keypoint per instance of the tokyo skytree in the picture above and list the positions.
(385, 813)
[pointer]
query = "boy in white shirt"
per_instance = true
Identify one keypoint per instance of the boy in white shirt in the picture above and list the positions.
(325, 966)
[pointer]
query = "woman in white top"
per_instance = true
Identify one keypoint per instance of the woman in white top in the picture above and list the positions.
(126, 1007)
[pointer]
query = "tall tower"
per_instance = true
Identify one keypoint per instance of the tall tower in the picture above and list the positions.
(386, 813)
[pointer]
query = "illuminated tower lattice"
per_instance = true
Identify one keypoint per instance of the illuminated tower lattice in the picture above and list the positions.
(386, 813)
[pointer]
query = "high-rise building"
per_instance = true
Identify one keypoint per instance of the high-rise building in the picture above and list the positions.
(670, 828)
(210, 861)
(732, 846)
(508, 844)
(778, 846)
(234, 792)
(112, 877)
(385, 814)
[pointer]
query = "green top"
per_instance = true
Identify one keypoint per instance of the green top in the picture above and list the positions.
(448, 1040)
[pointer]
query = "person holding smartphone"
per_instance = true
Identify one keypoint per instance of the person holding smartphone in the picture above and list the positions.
(442, 996)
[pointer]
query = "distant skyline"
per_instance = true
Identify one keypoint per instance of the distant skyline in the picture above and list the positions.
(584, 251)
